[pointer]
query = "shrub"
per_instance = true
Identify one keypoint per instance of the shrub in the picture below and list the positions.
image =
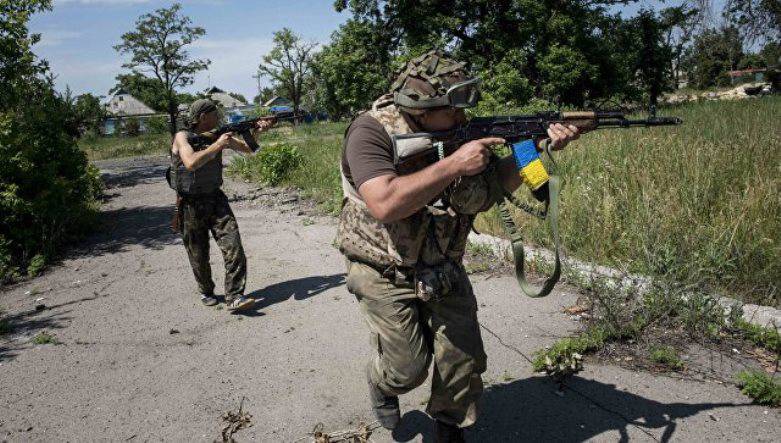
(667, 356)
(762, 388)
(157, 125)
(274, 163)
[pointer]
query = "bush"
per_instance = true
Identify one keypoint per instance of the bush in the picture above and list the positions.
(157, 125)
(47, 189)
(667, 356)
(131, 127)
(762, 388)
(275, 163)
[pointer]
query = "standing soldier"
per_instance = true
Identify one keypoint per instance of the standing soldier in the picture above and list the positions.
(202, 207)
(404, 234)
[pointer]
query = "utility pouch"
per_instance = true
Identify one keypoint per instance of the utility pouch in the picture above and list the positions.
(434, 282)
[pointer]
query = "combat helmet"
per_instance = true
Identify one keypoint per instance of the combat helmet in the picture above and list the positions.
(434, 80)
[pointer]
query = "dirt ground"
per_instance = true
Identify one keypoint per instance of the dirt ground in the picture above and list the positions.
(139, 358)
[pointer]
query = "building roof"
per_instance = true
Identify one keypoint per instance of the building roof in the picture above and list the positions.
(277, 100)
(742, 72)
(223, 98)
(124, 104)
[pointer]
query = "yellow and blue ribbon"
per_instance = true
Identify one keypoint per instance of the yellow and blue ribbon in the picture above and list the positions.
(532, 171)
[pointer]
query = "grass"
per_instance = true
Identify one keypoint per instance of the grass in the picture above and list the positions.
(101, 148)
(44, 338)
(666, 356)
(698, 201)
(762, 388)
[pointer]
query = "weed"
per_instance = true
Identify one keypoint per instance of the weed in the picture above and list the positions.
(766, 337)
(36, 265)
(761, 387)
(666, 356)
(43, 338)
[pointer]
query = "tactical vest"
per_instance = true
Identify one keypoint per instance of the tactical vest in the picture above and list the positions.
(435, 235)
(204, 180)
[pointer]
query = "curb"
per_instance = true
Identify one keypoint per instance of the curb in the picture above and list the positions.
(766, 316)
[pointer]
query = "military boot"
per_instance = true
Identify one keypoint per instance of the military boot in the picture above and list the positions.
(386, 407)
(446, 433)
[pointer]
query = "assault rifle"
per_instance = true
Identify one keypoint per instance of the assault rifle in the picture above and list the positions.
(410, 150)
(514, 128)
(244, 128)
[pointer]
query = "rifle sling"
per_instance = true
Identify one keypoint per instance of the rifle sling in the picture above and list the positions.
(516, 240)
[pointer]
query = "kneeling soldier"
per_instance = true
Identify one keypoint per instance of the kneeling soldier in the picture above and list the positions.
(196, 175)
(404, 234)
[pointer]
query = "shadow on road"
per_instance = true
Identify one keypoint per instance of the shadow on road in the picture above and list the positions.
(147, 226)
(299, 289)
(530, 410)
(28, 323)
(138, 175)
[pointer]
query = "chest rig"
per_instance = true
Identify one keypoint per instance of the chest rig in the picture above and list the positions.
(204, 180)
(435, 236)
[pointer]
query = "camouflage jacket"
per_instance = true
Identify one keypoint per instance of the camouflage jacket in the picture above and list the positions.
(432, 236)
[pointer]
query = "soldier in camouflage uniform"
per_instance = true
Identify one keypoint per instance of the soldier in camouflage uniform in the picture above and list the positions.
(196, 175)
(404, 234)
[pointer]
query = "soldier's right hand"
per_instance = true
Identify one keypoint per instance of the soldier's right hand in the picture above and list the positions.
(472, 157)
(224, 141)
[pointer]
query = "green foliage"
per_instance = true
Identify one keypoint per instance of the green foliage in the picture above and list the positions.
(87, 113)
(761, 387)
(757, 19)
(679, 201)
(47, 190)
(565, 356)
(271, 165)
(156, 124)
(44, 338)
(289, 65)
(666, 356)
(352, 70)
(766, 337)
(131, 126)
(100, 148)
(712, 55)
(159, 45)
(36, 265)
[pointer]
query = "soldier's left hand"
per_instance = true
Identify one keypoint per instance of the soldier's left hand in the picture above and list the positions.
(560, 135)
(264, 125)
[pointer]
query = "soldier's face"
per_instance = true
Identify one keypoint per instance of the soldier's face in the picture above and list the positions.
(442, 119)
(209, 120)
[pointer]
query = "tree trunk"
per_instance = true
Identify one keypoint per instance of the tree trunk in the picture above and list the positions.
(172, 111)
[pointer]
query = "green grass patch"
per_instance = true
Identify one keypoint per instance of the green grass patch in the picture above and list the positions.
(666, 356)
(761, 387)
(766, 337)
(565, 356)
(44, 338)
(101, 148)
(695, 201)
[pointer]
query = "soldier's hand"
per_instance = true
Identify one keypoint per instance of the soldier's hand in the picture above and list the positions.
(224, 141)
(561, 135)
(263, 125)
(472, 157)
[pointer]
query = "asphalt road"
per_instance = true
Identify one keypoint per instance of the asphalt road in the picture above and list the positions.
(139, 358)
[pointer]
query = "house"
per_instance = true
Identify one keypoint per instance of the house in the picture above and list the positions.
(749, 75)
(224, 99)
(278, 101)
(122, 104)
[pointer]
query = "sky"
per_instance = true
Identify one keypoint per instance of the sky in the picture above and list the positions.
(78, 37)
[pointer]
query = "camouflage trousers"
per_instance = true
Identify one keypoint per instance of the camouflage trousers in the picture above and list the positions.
(408, 333)
(211, 213)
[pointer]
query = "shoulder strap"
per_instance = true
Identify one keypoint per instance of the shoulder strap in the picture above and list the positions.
(516, 240)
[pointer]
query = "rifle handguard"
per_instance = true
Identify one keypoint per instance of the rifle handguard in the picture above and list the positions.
(527, 158)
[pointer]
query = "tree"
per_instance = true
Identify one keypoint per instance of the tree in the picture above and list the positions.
(681, 23)
(88, 113)
(351, 71)
(149, 91)
(265, 95)
(47, 189)
(654, 56)
(158, 47)
(713, 53)
(288, 64)
(238, 96)
(756, 19)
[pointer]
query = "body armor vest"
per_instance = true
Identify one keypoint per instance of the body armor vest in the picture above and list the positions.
(432, 236)
(204, 180)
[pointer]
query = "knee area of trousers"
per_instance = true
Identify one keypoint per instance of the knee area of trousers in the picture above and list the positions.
(412, 373)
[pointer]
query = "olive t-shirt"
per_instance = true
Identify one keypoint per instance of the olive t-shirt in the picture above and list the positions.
(367, 152)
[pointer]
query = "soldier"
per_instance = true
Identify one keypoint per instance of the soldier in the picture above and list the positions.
(404, 235)
(202, 207)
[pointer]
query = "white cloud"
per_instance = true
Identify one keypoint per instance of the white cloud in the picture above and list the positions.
(234, 62)
(55, 37)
